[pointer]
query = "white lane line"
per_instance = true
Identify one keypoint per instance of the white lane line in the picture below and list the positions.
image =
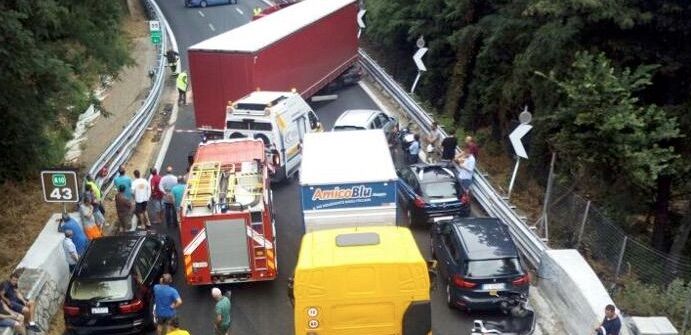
(200, 13)
(239, 11)
(211, 26)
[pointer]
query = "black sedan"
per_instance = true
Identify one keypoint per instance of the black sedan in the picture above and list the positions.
(111, 289)
(431, 191)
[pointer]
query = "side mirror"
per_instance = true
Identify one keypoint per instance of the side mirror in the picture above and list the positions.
(432, 271)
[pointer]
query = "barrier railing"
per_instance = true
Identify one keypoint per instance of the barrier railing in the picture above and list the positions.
(120, 150)
(495, 205)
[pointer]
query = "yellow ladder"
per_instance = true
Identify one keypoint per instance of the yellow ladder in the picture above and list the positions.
(202, 183)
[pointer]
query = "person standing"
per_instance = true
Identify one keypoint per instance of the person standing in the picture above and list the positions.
(472, 146)
(172, 57)
(167, 300)
(448, 146)
(78, 237)
(181, 84)
(155, 204)
(16, 301)
(96, 192)
(432, 143)
(92, 228)
(611, 325)
(10, 319)
(466, 167)
(167, 183)
(142, 193)
(125, 180)
(178, 191)
(223, 318)
(174, 327)
(123, 206)
(70, 250)
(414, 150)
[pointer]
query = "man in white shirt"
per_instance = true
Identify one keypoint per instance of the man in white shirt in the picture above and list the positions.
(466, 167)
(142, 193)
(167, 183)
(70, 250)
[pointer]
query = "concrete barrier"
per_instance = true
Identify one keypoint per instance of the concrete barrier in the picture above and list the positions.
(574, 291)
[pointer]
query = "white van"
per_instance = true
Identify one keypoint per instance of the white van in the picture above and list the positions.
(280, 119)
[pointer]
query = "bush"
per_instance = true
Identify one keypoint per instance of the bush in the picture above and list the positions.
(639, 299)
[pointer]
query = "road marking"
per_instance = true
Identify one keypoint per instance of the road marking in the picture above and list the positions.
(239, 11)
(200, 13)
(212, 27)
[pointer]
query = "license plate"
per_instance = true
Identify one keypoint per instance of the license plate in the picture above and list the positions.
(498, 286)
(437, 219)
(99, 310)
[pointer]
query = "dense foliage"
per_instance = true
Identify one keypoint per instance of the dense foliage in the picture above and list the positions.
(607, 81)
(51, 53)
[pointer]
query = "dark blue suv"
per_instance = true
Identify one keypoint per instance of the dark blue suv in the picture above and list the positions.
(477, 258)
(431, 191)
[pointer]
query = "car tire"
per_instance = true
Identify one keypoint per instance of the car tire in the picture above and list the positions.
(173, 261)
(449, 301)
(202, 4)
(151, 322)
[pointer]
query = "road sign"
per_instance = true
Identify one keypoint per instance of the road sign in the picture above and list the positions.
(418, 59)
(154, 25)
(525, 117)
(155, 30)
(360, 21)
(515, 138)
(60, 186)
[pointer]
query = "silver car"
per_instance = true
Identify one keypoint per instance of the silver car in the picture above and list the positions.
(362, 119)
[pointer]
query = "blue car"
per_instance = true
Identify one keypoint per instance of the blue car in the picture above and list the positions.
(204, 3)
(431, 192)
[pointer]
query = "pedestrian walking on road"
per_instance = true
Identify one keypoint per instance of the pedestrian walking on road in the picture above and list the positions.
(611, 325)
(142, 193)
(70, 250)
(123, 206)
(123, 179)
(174, 327)
(10, 319)
(166, 186)
(78, 236)
(167, 300)
(223, 319)
(466, 167)
(448, 146)
(92, 227)
(178, 191)
(155, 204)
(181, 84)
(15, 300)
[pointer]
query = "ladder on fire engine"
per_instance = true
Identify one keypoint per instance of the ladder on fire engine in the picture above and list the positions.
(202, 184)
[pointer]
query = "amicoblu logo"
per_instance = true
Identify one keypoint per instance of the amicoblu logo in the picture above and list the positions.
(337, 193)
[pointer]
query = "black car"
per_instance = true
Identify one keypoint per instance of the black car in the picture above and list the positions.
(110, 291)
(477, 259)
(431, 191)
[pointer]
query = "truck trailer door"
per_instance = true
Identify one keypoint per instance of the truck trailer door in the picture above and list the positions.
(227, 246)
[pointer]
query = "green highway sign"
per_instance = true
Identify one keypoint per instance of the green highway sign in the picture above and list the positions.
(155, 30)
(60, 186)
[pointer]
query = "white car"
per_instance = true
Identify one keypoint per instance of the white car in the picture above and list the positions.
(362, 119)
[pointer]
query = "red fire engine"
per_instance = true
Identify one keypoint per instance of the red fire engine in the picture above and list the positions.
(227, 227)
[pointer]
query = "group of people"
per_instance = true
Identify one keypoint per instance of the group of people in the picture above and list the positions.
(438, 149)
(152, 200)
(167, 301)
(16, 311)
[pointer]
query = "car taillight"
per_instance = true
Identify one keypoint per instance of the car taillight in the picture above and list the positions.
(132, 306)
(462, 283)
(70, 310)
(419, 202)
(522, 280)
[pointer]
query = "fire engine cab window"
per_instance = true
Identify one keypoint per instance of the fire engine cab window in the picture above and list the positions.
(248, 125)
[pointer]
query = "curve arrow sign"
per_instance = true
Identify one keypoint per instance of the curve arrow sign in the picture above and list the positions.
(418, 59)
(360, 16)
(515, 138)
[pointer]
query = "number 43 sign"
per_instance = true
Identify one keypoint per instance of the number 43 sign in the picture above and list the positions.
(60, 186)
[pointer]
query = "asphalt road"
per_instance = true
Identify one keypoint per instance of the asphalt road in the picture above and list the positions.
(263, 308)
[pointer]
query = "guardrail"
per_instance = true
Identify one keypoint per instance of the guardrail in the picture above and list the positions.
(495, 205)
(122, 147)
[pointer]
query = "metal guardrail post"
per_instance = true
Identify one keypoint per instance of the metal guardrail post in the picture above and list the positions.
(529, 244)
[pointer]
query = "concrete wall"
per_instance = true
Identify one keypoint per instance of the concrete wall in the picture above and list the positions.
(574, 291)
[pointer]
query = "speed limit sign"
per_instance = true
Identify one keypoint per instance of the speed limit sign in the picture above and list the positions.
(60, 186)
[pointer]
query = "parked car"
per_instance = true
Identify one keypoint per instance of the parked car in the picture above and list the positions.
(477, 259)
(110, 291)
(431, 191)
(361, 119)
(204, 3)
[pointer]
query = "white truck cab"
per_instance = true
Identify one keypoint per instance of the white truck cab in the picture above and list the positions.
(280, 119)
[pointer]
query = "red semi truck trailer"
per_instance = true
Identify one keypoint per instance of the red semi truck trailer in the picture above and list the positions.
(301, 47)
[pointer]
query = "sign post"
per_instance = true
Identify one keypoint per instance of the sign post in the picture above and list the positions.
(525, 117)
(417, 58)
(155, 30)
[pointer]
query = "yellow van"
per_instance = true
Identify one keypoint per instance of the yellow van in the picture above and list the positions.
(361, 281)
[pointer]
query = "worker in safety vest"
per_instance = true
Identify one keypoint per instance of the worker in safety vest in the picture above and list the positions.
(182, 88)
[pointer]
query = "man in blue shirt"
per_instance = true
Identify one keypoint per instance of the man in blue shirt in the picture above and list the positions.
(178, 190)
(78, 238)
(167, 300)
(611, 325)
(123, 179)
(414, 150)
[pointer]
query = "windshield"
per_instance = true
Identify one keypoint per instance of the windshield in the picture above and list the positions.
(99, 289)
(248, 125)
(341, 128)
(439, 190)
(493, 268)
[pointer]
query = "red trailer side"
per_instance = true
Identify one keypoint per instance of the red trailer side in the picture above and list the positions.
(313, 53)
